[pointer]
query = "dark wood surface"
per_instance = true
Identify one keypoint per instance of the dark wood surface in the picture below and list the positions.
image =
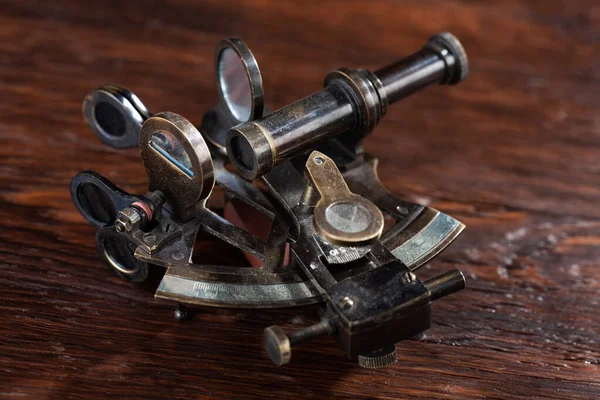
(514, 152)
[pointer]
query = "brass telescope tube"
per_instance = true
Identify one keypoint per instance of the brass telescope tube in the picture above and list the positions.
(352, 100)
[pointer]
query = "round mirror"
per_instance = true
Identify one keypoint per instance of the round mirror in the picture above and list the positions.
(239, 80)
(235, 85)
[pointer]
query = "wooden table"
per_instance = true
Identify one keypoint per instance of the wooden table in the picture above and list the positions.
(513, 152)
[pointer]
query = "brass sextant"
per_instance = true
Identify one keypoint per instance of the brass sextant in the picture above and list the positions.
(302, 170)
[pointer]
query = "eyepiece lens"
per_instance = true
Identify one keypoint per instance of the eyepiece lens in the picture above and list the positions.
(242, 153)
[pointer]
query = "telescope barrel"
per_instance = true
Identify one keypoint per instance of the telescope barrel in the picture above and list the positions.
(352, 101)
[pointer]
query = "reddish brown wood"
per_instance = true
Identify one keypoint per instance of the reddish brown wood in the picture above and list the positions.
(514, 152)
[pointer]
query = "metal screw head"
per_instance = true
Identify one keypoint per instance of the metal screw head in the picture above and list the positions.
(149, 238)
(402, 210)
(119, 226)
(122, 224)
(277, 345)
(128, 219)
(181, 313)
(346, 303)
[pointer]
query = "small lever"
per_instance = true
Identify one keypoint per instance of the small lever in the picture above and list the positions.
(341, 217)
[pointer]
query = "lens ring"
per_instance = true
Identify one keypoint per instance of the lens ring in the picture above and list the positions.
(239, 80)
(116, 252)
(112, 117)
(242, 152)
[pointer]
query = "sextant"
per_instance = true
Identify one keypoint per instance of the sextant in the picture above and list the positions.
(301, 199)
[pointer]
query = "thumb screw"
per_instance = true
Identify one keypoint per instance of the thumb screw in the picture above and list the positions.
(279, 344)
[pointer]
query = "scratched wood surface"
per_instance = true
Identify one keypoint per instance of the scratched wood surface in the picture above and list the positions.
(514, 152)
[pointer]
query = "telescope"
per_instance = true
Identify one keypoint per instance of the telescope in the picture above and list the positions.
(300, 200)
(352, 104)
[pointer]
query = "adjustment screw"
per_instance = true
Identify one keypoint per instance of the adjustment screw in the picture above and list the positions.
(119, 226)
(149, 238)
(378, 358)
(346, 303)
(128, 219)
(157, 198)
(279, 345)
(402, 210)
(181, 313)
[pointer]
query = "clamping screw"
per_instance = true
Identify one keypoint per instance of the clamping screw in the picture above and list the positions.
(128, 219)
(140, 212)
(279, 344)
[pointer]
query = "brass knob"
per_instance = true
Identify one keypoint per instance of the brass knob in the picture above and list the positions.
(378, 358)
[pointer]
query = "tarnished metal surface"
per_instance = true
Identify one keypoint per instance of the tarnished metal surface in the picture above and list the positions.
(352, 103)
(253, 295)
(430, 234)
(177, 161)
(320, 196)
(241, 95)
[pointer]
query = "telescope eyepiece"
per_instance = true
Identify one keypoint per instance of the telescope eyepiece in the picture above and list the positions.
(249, 150)
(460, 68)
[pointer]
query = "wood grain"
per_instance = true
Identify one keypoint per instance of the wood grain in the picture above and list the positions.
(514, 152)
